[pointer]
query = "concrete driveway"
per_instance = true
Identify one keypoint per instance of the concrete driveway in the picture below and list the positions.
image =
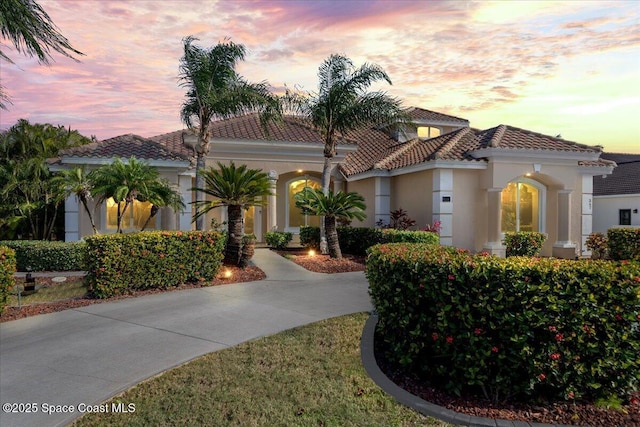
(67, 362)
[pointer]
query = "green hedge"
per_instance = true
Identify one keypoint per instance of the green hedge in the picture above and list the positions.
(7, 268)
(122, 263)
(278, 239)
(624, 243)
(528, 327)
(44, 255)
(524, 243)
(356, 240)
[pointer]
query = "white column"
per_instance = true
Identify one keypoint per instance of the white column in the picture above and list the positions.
(272, 213)
(382, 199)
(338, 185)
(185, 217)
(564, 247)
(494, 244)
(587, 213)
(443, 204)
(71, 219)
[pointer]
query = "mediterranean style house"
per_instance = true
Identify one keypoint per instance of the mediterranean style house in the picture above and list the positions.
(478, 184)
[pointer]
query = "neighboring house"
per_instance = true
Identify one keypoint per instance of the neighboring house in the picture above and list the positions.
(616, 197)
(477, 183)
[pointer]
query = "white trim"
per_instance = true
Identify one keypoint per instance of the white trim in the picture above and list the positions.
(595, 170)
(432, 164)
(172, 164)
(530, 155)
(616, 196)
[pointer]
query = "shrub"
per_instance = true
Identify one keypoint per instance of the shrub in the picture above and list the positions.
(356, 240)
(310, 237)
(122, 263)
(597, 244)
(44, 255)
(278, 239)
(524, 243)
(527, 327)
(399, 236)
(7, 268)
(624, 243)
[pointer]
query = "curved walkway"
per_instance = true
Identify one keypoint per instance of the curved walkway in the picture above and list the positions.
(87, 355)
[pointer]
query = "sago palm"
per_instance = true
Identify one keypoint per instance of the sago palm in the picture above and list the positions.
(215, 90)
(237, 188)
(332, 206)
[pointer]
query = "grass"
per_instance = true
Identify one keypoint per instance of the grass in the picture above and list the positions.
(73, 288)
(308, 376)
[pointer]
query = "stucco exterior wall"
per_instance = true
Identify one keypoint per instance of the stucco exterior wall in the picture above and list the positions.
(606, 211)
(469, 210)
(366, 188)
(412, 192)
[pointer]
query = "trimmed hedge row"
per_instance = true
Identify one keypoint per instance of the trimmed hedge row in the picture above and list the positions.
(524, 243)
(624, 243)
(44, 255)
(356, 240)
(278, 239)
(7, 268)
(542, 328)
(121, 263)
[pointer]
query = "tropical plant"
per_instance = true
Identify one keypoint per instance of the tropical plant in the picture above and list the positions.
(343, 104)
(237, 188)
(278, 239)
(331, 206)
(30, 198)
(75, 181)
(134, 180)
(32, 33)
(161, 195)
(215, 90)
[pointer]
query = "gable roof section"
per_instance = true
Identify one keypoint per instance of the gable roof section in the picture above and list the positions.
(511, 137)
(420, 114)
(625, 178)
(125, 146)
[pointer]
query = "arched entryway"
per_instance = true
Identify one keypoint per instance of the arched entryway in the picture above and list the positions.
(294, 218)
(523, 206)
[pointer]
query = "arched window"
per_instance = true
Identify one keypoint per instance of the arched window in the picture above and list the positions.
(134, 218)
(295, 218)
(522, 206)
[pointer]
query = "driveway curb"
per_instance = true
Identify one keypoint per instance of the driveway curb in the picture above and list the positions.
(418, 404)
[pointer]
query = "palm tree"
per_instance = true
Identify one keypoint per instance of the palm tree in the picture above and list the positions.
(161, 195)
(76, 182)
(332, 206)
(215, 90)
(237, 188)
(126, 182)
(32, 33)
(343, 104)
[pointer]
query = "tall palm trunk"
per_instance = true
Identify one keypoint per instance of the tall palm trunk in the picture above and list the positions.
(234, 238)
(88, 211)
(200, 183)
(332, 237)
(152, 214)
(326, 182)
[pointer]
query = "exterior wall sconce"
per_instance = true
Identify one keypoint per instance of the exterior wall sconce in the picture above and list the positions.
(537, 167)
(635, 211)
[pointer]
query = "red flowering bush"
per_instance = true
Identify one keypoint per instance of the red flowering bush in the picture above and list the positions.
(523, 327)
(120, 263)
(7, 268)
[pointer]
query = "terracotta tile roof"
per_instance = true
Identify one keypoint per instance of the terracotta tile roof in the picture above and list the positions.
(457, 146)
(505, 136)
(433, 116)
(125, 146)
(625, 178)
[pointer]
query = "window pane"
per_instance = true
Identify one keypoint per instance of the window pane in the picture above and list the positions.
(296, 219)
(112, 215)
(528, 201)
(625, 216)
(141, 212)
(509, 207)
(249, 216)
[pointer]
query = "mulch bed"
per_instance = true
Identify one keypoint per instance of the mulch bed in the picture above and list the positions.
(323, 263)
(247, 274)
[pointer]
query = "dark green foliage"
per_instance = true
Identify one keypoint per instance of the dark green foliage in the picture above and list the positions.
(278, 239)
(7, 268)
(524, 243)
(121, 263)
(624, 243)
(525, 327)
(43, 255)
(356, 240)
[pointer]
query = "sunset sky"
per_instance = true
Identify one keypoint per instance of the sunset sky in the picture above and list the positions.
(555, 67)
